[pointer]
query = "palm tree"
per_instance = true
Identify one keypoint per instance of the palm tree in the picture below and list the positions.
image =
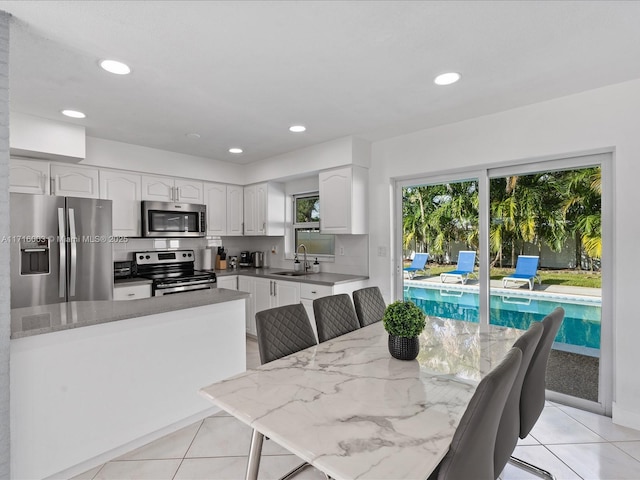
(582, 211)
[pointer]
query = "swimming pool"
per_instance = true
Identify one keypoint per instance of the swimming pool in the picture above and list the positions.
(579, 332)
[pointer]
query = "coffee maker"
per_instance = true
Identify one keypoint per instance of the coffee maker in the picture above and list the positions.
(245, 259)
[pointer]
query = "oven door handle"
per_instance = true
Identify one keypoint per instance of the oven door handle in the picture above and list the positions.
(185, 284)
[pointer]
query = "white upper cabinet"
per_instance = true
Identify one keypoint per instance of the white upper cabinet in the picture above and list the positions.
(250, 213)
(157, 188)
(28, 176)
(215, 198)
(74, 181)
(235, 210)
(188, 191)
(125, 191)
(343, 200)
(168, 189)
(264, 209)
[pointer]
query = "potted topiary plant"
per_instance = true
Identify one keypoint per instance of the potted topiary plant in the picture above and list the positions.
(404, 321)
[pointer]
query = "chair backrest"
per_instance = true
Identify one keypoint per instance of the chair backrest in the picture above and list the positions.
(471, 452)
(509, 428)
(533, 389)
(335, 316)
(527, 265)
(466, 260)
(282, 331)
(369, 305)
(419, 260)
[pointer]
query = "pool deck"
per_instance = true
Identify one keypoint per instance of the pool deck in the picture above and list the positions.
(555, 289)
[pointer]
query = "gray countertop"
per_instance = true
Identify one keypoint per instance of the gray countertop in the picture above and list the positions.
(62, 316)
(322, 278)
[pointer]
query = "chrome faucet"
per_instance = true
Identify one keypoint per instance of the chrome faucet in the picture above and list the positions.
(305, 265)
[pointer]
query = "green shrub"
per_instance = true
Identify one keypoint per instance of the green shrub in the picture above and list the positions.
(403, 319)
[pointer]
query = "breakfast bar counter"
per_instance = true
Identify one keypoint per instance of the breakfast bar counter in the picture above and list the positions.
(91, 380)
(29, 321)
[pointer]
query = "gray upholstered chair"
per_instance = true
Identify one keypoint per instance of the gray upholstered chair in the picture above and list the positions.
(335, 316)
(282, 331)
(471, 452)
(369, 305)
(509, 428)
(532, 397)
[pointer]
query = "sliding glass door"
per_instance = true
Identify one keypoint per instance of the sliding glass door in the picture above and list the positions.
(440, 226)
(507, 245)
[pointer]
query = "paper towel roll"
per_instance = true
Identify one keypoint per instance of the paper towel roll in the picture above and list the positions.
(206, 259)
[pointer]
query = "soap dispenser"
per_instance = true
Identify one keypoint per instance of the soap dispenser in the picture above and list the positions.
(315, 268)
(296, 264)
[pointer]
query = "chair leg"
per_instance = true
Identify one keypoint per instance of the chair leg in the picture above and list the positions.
(295, 471)
(531, 468)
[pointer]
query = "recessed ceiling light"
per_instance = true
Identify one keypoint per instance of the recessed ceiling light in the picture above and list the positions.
(235, 150)
(73, 114)
(297, 128)
(447, 78)
(113, 66)
(193, 136)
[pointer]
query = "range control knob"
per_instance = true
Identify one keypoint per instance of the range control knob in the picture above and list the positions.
(147, 257)
(189, 254)
(141, 257)
(184, 255)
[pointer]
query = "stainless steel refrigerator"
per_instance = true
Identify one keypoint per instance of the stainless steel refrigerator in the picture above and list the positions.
(60, 250)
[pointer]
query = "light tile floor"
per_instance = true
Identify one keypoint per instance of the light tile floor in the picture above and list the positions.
(571, 443)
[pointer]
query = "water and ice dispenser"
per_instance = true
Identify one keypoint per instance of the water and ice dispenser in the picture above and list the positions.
(34, 257)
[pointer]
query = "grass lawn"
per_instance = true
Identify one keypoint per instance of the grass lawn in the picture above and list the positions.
(574, 278)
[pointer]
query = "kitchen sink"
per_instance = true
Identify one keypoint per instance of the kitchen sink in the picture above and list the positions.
(290, 274)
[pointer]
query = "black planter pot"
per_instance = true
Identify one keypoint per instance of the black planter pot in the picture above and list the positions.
(404, 348)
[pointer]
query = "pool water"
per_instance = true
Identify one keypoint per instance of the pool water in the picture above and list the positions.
(580, 330)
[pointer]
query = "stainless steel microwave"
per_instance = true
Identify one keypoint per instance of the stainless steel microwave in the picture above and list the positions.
(168, 219)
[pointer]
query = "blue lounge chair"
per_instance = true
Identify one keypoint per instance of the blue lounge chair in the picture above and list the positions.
(466, 264)
(418, 264)
(526, 271)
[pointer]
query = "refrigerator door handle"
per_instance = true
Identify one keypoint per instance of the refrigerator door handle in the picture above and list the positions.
(62, 274)
(74, 254)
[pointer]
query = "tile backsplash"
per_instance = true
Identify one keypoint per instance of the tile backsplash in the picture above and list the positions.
(355, 260)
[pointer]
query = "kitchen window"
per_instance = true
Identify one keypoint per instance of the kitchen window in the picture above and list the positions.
(306, 225)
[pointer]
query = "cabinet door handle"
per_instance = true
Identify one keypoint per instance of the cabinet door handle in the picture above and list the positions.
(131, 294)
(314, 292)
(177, 190)
(275, 289)
(270, 288)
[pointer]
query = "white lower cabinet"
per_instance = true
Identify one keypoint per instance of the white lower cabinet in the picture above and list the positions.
(131, 292)
(248, 284)
(308, 293)
(229, 282)
(265, 294)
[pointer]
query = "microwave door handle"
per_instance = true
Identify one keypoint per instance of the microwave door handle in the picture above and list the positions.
(62, 274)
(74, 253)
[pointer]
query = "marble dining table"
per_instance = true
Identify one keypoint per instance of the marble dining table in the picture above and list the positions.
(354, 412)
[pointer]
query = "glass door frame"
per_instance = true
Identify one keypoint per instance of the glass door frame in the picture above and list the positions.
(601, 157)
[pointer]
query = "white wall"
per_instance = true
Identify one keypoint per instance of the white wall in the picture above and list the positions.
(597, 119)
(343, 151)
(107, 153)
(5, 319)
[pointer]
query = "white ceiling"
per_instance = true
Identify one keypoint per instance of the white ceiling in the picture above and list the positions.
(240, 73)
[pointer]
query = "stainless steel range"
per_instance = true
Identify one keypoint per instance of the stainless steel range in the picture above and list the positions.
(173, 272)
